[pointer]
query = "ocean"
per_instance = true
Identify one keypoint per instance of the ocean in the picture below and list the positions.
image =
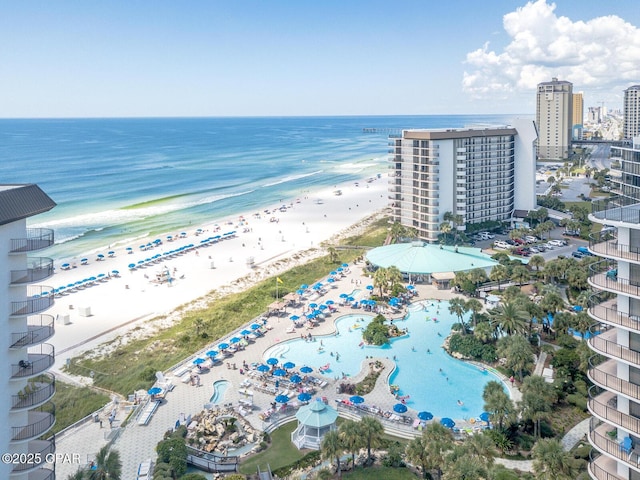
(118, 180)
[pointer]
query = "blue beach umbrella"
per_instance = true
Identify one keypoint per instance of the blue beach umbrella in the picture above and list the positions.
(340, 269)
(304, 397)
(279, 372)
(223, 346)
(288, 365)
(300, 292)
(425, 416)
(254, 326)
(282, 399)
(295, 379)
(154, 391)
(294, 318)
(356, 399)
(272, 361)
(331, 279)
(344, 295)
(329, 302)
(306, 369)
(399, 408)
(132, 266)
(263, 368)
(369, 287)
(245, 332)
(115, 272)
(484, 416)
(198, 361)
(410, 287)
(304, 286)
(313, 305)
(447, 422)
(322, 307)
(234, 339)
(212, 353)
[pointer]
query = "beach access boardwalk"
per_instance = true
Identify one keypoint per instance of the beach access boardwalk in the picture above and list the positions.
(136, 441)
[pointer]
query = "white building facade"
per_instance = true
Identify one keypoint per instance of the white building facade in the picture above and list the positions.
(480, 175)
(631, 112)
(26, 410)
(554, 118)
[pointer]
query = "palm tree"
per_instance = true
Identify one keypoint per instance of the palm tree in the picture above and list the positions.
(108, 465)
(333, 254)
(394, 276)
(536, 262)
(332, 448)
(460, 465)
(351, 438)
(551, 462)
(497, 402)
(380, 279)
(430, 448)
(498, 274)
(475, 307)
(510, 317)
(78, 475)
(538, 398)
(457, 307)
(445, 228)
(520, 275)
(518, 353)
(371, 429)
(484, 331)
(582, 323)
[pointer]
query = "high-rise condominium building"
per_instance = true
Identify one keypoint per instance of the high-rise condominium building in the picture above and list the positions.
(477, 174)
(631, 121)
(554, 119)
(26, 411)
(614, 400)
(577, 116)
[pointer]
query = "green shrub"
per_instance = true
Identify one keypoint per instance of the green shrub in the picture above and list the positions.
(578, 400)
(309, 460)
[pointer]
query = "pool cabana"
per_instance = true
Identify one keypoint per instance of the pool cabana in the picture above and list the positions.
(314, 421)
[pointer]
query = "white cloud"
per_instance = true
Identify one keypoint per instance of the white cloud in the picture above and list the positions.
(600, 55)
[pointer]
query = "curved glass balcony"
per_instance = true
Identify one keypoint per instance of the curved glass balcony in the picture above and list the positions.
(38, 450)
(36, 239)
(40, 422)
(601, 466)
(604, 375)
(37, 392)
(603, 404)
(40, 268)
(616, 209)
(603, 341)
(39, 359)
(607, 312)
(39, 298)
(600, 439)
(604, 276)
(39, 329)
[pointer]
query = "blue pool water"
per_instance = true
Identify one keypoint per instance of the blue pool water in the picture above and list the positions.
(219, 388)
(432, 380)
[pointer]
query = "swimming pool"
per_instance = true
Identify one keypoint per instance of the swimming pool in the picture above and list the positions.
(429, 378)
(219, 388)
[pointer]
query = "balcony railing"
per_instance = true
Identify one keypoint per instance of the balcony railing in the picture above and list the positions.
(40, 269)
(602, 376)
(601, 466)
(39, 329)
(37, 239)
(601, 342)
(40, 421)
(39, 359)
(38, 452)
(607, 313)
(600, 440)
(613, 249)
(616, 209)
(603, 404)
(42, 474)
(39, 298)
(36, 393)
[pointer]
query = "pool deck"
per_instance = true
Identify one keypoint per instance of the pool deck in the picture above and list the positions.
(136, 442)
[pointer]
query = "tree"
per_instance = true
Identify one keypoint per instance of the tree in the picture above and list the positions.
(445, 228)
(551, 303)
(380, 280)
(538, 398)
(582, 323)
(331, 448)
(429, 449)
(79, 474)
(371, 430)
(460, 465)
(108, 465)
(333, 254)
(551, 462)
(457, 307)
(536, 262)
(484, 331)
(499, 273)
(475, 307)
(173, 451)
(510, 318)
(518, 353)
(351, 439)
(497, 402)
(520, 275)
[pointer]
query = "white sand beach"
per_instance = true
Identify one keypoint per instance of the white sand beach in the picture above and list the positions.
(267, 241)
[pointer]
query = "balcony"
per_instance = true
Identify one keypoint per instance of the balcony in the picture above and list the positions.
(603, 405)
(39, 329)
(39, 299)
(616, 209)
(40, 269)
(604, 375)
(39, 360)
(599, 438)
(607, 312)
(612, 249)
(601, 466)
(603, 341)
(37, 392)
(37, 239)
(40, 421)
(42, 474)
(615, 284)
(38, 450)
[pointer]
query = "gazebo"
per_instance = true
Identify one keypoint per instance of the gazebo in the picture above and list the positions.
(314, 421)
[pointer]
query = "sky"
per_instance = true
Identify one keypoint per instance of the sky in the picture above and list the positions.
(148, 58)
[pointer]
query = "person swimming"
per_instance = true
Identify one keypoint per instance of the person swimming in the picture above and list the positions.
(460, 402)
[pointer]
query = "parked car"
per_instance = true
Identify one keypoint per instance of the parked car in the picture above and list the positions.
(578, 254)
(519, 241)
(500, 245)
(584, 250)
(557, 243)
(530, 239)
(522, 251)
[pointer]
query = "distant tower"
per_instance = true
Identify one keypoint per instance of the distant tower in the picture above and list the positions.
(554, 118)
(578, 116)
(631, 126)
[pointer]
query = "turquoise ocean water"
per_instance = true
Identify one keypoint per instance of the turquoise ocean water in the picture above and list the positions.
(116, 180)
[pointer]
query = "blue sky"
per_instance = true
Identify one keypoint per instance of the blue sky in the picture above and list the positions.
(335, 57)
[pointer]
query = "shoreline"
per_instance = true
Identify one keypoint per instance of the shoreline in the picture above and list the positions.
(111, 305)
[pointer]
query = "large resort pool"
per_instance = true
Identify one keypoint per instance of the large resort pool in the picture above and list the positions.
(427, 377)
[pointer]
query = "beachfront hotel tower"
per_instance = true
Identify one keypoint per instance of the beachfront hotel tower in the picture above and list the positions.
(631, 112)
(577, 116)
(614, 400)
(478, 174)
(554, 119)
(26, 386)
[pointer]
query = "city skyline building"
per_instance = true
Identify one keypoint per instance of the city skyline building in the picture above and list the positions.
(26, 409)
(471, 173)
(614, 399)
(631, 112)
(577, 116)
(554, 119)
